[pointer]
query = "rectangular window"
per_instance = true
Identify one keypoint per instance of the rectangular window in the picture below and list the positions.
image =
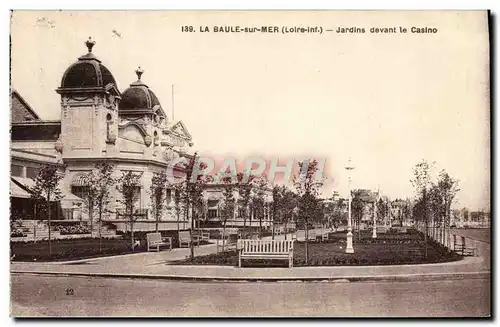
(16, 170)
(79, 191)
(169, 197)
(31, 172)
(212, 213)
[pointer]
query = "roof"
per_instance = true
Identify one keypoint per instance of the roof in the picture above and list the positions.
(87, 72)
(21, 109)
(139, 97)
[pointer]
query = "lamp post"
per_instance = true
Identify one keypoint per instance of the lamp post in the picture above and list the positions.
(349, 248)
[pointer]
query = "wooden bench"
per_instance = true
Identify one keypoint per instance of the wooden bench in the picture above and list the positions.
(184, 239)
(266, 249)
(462, 249)
(155, 240)
(311, 235)
(229, 240)
(204, 235)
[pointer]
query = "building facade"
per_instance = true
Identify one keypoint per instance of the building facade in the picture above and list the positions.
(99, 123)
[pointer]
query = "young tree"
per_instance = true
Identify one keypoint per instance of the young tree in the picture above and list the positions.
(421, 181)
(194, 193)
(128, 185)
(434, 209)
(106, 181)
(381, 208)
(244, 195)
(288, 205)
(98, 184)
(448, 188)
(276, 206)
(308, 186)
(357, 207)
(158, 191)
(258, 204)
(228, 206)
(179, 189)
(46, 189)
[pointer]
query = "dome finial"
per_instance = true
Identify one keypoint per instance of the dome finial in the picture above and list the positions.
(90, 44)
(139, 71)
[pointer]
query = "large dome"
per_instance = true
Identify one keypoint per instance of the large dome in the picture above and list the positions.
(87, 72)
(138, 96)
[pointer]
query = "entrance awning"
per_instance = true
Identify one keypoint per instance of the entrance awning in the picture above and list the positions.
(18, 190)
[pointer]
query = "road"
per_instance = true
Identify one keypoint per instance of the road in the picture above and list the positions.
(33, 295)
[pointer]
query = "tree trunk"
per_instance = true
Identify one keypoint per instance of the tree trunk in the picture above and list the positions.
(132, 228)
(157, 216)
(100, 228)
(286, 230)
(49, 223)
(307, 242)
(224, 235)
(245, 231)
(191, 234)
(273, 231)
(178, 223)
(91, 218)
(34, 223)
(260, 227)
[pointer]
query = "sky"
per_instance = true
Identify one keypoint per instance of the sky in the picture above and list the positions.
(386, 101)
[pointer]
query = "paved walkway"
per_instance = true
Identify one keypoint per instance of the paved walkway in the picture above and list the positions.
(156, 265)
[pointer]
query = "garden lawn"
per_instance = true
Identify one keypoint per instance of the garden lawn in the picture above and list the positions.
(72, 249)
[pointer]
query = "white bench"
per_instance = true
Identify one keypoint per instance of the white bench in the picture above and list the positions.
(311, 235)
(205, 235)
(184, 239)
(266, 249)
(155, 240)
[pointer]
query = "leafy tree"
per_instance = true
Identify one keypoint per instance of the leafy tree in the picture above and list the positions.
(258, 198)
(276, 206)
(45, 190)
(421, 181)
(194, 194)
(98, 184)
(228, 206)
(288, 205)
(336, 212)
(357, 207)
(158, 191)
(382, 208)
(128, 185)
(283, 205)
(308, 187)
(448, 188)
(244, 189)
(179, 189)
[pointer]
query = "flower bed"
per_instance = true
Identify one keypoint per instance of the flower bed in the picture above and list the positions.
(72, 229)
(333, 254)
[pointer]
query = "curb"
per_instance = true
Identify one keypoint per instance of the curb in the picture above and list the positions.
(346, 279)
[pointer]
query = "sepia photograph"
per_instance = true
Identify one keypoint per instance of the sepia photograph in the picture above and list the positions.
(250, 163)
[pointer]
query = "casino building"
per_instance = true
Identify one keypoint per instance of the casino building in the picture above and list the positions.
(98, 123)
(128, 129)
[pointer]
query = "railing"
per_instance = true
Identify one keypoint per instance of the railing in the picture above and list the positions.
(137, 213)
